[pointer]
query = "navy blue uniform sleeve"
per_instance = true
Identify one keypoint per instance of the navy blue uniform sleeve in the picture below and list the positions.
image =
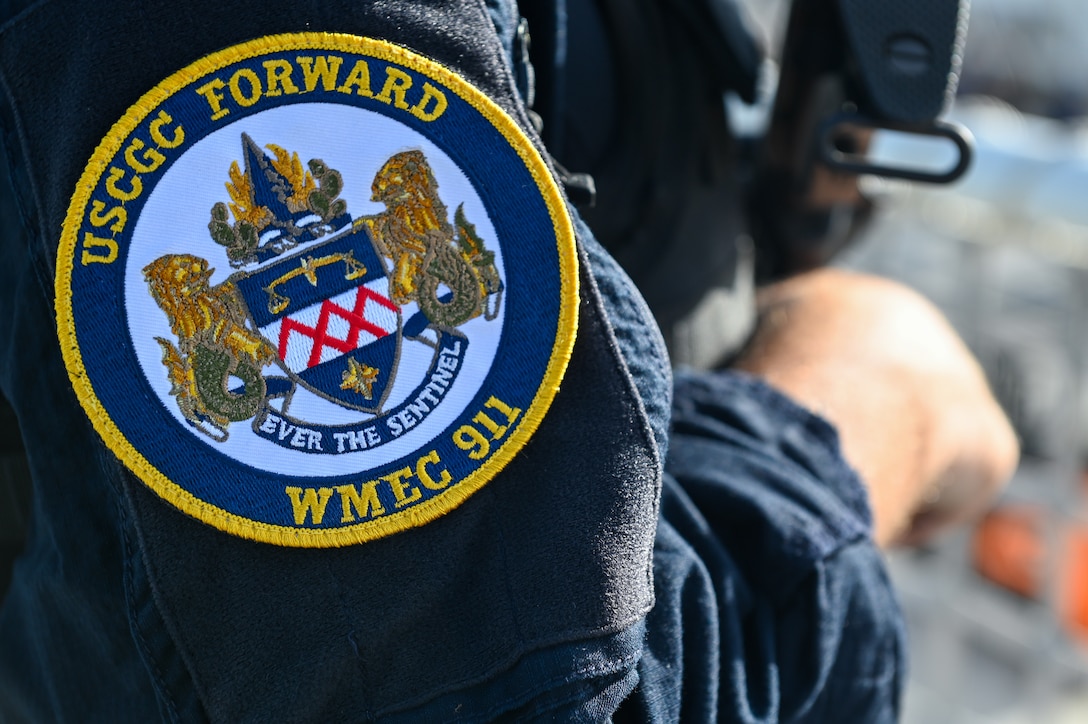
(772, 600)
(527, 602)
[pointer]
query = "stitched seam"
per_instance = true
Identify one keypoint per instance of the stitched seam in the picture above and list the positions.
(45, 283)
(175, 634)
(360, 662)
(584, 674)
(20, 16)
(150, 661)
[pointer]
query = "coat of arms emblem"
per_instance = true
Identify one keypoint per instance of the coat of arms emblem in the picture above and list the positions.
(315, 289)
(318, 295)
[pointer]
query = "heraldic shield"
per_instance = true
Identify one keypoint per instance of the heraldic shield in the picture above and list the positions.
(328, 299)
(326, 312)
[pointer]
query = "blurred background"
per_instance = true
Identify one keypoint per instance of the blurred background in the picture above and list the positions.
(998, 613)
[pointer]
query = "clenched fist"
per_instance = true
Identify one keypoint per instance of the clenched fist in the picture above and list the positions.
(915, 415)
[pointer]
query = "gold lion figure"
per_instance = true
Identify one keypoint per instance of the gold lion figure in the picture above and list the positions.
(213, 344)
(415, 233)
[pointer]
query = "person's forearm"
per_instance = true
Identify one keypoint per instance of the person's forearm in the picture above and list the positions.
(912, 407)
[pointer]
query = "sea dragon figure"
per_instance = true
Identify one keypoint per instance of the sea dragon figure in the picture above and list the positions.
(426, 250)
(213, 345)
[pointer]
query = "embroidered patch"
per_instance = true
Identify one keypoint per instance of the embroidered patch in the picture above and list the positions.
(316, 289)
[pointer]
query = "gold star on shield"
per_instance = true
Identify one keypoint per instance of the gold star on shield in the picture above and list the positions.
(359, 378)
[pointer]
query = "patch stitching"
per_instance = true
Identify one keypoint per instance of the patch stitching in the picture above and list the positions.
(425, 511)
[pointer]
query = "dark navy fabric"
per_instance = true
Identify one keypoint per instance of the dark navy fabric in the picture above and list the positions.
(771, 601)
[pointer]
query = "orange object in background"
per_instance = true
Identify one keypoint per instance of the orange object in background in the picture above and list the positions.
(1009, 549)
(1074, 593)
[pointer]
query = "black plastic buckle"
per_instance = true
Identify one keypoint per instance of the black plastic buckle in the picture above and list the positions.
(835, 144)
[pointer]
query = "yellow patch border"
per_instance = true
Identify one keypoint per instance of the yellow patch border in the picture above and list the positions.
(379, 527)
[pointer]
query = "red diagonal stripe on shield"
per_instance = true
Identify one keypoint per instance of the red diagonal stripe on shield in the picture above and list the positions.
(355, 318)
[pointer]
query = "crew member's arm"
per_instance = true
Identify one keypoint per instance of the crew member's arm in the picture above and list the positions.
(912, 407)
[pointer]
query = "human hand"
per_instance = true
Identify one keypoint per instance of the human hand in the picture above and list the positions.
(915, 415)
